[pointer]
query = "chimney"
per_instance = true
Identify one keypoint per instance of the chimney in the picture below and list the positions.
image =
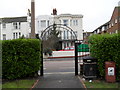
(32, 18)
(54, 11)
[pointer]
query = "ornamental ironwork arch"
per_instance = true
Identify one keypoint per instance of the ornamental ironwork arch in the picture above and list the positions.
(59, 27)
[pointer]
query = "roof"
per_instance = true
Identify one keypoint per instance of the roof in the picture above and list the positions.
(14, 19)
(70, 15)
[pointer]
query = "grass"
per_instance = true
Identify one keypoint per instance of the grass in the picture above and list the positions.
(100, 84)
(19, 84)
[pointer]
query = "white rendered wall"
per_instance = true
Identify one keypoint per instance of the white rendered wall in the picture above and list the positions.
(39, 29)
(9, 30)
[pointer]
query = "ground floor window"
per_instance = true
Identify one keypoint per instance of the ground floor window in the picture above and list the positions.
(4, 36)
(16, 35)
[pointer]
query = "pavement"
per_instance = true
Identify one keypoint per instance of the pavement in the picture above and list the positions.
(68, 80)
(59, 74)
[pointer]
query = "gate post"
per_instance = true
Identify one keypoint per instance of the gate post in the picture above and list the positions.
(76, 56)
(41, 67)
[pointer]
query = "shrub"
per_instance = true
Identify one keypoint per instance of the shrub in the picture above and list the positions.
(20, 58)
(106, 47)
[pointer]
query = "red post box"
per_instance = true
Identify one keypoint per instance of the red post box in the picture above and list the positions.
(110, 71)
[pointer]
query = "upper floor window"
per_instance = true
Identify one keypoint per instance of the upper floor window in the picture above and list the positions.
(4, 25)
(48, 23)
(109, 25)
(115, 20)
(38, 23)
(16, 25)
(75, 22)
(43, 23)
(103, 28)
(65, 22)
(70, 22)
(112, 24)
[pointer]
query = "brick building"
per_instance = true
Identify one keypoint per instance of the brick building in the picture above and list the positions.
(112, 26)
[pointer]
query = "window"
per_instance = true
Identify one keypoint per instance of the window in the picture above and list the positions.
(38, 23)
(70, 22)
(13, 35)
(103, 28)
(48, 23)
(109, 25)
(65, 22)
(64, 35)
(115, 20)
(4, 36)
(116, 31)
(67, 32)
(112, 24)
(19, 34)
(16, 35)
(19, 25)
(16, 25)
(43, 23)
(4, 25)
(75, 22)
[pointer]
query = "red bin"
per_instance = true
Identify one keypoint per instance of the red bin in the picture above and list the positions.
(110, 71)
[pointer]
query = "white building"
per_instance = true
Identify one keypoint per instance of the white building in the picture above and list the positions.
(70, 20)
(14, 27)
(42, 22)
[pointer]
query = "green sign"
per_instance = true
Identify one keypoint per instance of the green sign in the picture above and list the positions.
(83, 48)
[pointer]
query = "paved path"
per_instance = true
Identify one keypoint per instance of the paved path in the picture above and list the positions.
(59, 81)
(59, 74)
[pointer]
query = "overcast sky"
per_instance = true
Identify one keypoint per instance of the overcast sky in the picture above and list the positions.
(95, 12)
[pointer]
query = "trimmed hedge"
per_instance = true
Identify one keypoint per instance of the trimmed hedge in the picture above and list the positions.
(106, 47)
(20, 58)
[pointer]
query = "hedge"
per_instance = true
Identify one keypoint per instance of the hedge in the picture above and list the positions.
(20, 58)
(106, 47)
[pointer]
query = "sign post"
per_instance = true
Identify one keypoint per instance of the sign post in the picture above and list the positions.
(76, 55)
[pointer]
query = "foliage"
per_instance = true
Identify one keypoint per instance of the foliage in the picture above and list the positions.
(20, 58)
(52, 42)
(106, 47)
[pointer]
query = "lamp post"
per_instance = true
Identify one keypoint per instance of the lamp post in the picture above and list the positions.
(32, 18)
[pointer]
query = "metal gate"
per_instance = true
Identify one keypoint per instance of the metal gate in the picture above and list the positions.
(59, 28)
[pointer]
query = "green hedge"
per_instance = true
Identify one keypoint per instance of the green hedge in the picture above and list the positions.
(20, 58)
(106, 47)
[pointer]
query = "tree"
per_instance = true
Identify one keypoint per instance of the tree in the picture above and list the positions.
(52, 42)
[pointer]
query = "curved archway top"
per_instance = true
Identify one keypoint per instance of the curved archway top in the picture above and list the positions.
(58, 26)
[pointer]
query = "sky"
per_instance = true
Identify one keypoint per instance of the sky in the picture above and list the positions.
(95, 12)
